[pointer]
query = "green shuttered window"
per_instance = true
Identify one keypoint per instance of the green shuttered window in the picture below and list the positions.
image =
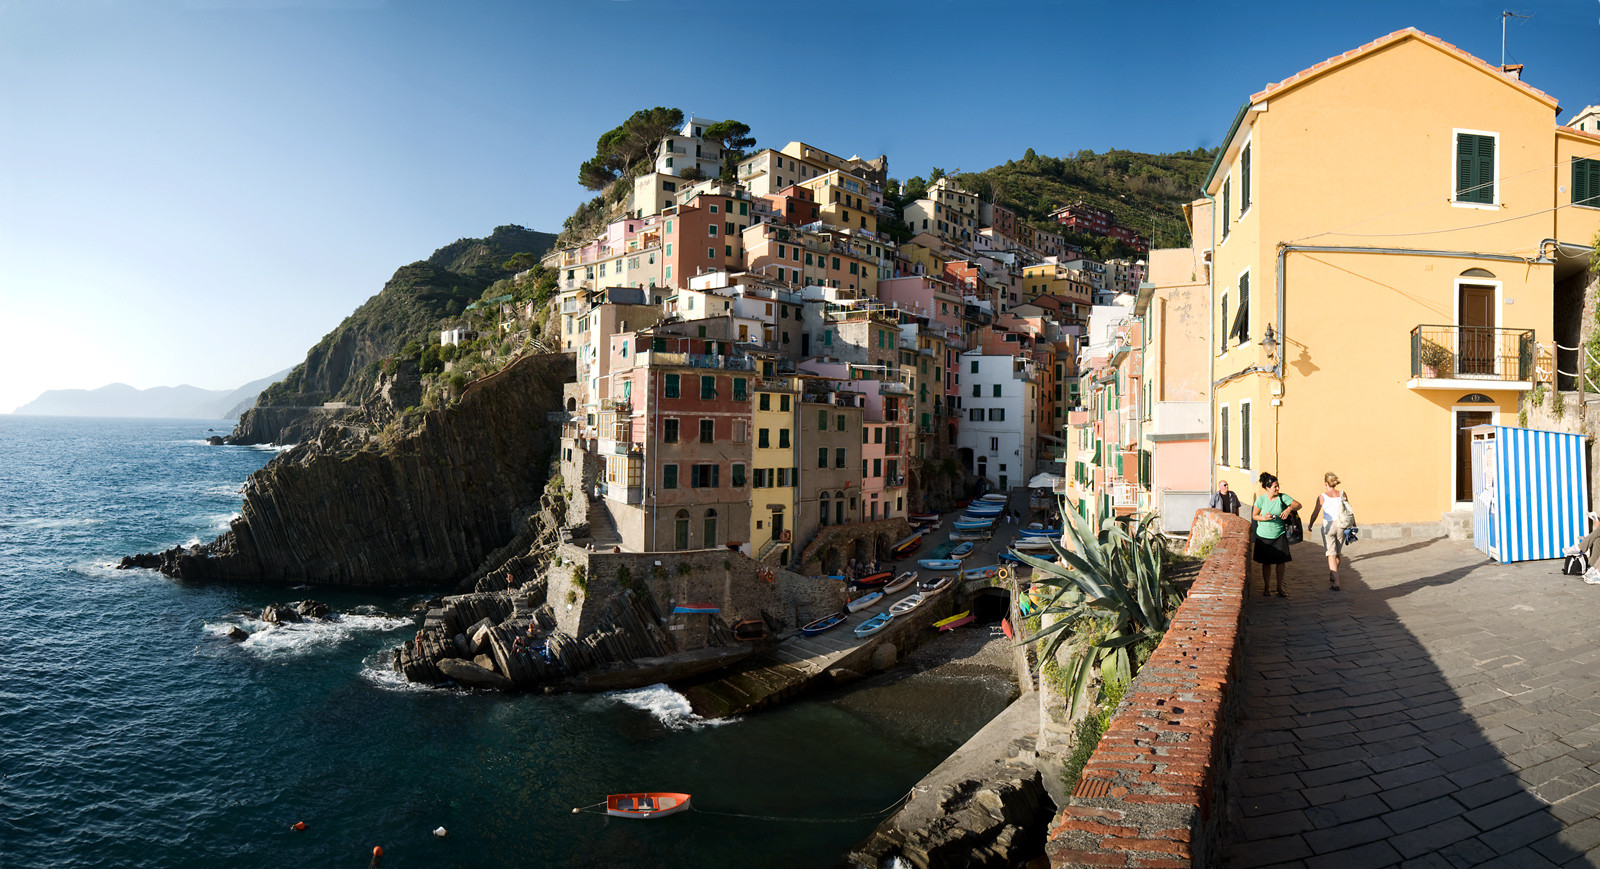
(1586, 182)
(1474, 168)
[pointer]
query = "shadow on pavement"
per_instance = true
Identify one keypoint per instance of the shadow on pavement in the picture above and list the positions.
(1439, 711)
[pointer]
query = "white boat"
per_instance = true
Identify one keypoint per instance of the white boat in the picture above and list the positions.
(901, 582)
(864, 601)
(1033, 544)
(995, 497)
(906, 604)
(962, 551)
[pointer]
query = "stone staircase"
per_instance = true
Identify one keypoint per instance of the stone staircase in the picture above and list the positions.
(602, 527)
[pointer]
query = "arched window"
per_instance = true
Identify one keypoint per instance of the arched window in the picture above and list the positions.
(1478, 273)
(572, 405)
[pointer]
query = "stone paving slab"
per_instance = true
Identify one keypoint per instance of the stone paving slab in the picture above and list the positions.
(1443, 710)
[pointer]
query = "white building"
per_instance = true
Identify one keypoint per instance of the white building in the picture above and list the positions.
(1000, 396)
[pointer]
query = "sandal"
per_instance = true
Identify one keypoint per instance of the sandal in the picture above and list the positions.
(1280, 592)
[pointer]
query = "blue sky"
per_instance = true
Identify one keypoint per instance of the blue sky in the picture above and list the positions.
(196, 192)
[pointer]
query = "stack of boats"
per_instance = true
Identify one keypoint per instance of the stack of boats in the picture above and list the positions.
(1036, 538)
(925, 590)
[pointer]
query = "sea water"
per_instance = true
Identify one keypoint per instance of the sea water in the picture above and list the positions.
(134, 733)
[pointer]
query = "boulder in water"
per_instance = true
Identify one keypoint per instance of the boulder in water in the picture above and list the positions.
(311, 609)
(238, 634)
(471, 675)
(278, 614)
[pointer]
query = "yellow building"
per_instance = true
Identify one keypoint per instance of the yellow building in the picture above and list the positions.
(1394, 231)
(774, 484)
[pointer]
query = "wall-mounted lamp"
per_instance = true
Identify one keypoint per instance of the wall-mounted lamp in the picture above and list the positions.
(1269, 342)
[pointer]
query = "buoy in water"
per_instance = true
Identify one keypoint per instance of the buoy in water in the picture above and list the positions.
(298, 825)
(441, 832)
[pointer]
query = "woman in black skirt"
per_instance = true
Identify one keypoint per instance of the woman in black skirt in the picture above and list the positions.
(1271, 544)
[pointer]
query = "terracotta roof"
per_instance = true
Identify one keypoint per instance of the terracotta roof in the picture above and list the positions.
(1383, 41)
(1582, 134)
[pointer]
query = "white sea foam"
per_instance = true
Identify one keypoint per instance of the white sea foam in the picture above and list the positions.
(668, 706)
(307, 637)
(376, 670)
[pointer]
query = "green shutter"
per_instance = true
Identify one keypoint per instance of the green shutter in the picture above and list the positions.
(1474, 168)
(1586, 182)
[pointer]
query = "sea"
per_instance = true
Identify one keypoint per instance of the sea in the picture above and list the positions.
(133, 732)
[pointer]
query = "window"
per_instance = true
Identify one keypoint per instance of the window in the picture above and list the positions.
(1223, 439)
(713, 209)
(822, 420)
(1241, 318)
(997, 414)
(1244, 434)
(877, 436)
(838, 458)
(783, 438)
(672, 386)
(704, 476)
(741, 431)
(1586, 182)
(877, 467)
(974, 367)
(761, 437)
(1244, 179)
(669, 476)
(766, 401)
(1227, 196)
(669, 431)
(708, 431)
(708, 387)
(1224, 321)
(783, 404)
(711, 230)
(822, 457)
(977, 390)
(1475, 168)
(997, 390)
(740, 387)
(840, 421)
(994, 445)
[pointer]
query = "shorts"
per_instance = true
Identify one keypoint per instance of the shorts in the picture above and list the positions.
(1332, 540)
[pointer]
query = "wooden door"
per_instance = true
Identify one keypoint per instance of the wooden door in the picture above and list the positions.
(1465, 420)
(1477, 330)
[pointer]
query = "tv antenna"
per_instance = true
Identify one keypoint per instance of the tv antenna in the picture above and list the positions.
(1503, 16)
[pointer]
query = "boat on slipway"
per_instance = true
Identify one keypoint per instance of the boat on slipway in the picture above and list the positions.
(901, 582)
(873, 625)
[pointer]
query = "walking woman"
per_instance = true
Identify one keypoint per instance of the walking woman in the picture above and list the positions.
(1331, 504)
(1272, 546)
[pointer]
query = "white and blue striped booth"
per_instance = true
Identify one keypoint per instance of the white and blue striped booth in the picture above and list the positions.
(1530, 494)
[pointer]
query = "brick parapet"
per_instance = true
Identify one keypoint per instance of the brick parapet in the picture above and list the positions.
(1150, 794)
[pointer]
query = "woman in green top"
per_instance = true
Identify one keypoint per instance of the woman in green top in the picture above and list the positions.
(1272, 547)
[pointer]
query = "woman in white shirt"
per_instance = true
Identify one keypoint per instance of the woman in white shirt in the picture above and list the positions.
(1331, 503)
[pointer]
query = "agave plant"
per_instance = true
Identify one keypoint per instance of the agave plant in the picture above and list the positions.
(1113, 578)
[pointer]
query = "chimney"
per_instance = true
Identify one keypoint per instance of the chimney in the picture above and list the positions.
(1512, 71)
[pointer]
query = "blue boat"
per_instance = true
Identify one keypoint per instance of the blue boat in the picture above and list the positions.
(962, 551)
(873, 625)
(864, 601)
(973, 525)
(981, 572)
(977, 510)
(939, 564)
(1040, 532)
(826, 623)
(1010, 557)
(696, 609)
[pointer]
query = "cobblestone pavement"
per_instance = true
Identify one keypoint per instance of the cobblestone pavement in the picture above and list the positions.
(1442, 710)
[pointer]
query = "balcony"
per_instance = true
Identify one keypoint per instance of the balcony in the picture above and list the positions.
(1465, 357)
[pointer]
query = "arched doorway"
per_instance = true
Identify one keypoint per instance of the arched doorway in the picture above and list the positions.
(680, 539)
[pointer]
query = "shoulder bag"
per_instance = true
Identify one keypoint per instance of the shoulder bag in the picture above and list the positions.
(1293, 528)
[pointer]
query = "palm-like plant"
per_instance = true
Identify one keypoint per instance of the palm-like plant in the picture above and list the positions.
(1113, 578)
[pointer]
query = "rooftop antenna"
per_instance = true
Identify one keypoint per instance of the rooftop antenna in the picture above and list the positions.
(1503, 17)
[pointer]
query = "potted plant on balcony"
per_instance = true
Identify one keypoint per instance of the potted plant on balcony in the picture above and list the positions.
(1437, 360)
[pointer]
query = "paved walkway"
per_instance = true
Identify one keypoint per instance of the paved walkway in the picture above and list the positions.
(1441, 711)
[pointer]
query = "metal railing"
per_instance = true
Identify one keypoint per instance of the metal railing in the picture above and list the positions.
(1472, 353)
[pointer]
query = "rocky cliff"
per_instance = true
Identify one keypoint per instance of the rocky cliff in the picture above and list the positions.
(425, 507)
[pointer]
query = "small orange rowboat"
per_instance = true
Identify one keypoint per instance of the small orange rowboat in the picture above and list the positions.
(651, 805)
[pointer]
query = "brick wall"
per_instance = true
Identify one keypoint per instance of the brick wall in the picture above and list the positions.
(1151, 795)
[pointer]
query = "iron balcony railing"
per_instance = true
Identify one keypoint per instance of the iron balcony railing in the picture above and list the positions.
(1472, 353)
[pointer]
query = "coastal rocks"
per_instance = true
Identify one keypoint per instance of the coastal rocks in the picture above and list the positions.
(430, 506)
(237, 634)
(311, 609)
(278, 614)
(473, 675)
(216, 440)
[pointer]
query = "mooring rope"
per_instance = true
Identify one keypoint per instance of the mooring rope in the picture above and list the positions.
(695, 808)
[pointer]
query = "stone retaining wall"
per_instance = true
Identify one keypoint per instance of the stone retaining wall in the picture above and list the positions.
(1151, 795)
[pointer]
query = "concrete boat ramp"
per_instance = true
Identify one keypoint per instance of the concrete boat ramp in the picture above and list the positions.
(800, 663)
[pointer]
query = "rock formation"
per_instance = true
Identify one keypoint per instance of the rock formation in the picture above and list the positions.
(426, 507)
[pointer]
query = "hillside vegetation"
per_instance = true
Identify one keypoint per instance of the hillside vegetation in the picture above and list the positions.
(345, 363)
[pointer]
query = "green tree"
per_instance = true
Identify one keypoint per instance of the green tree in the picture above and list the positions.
(734, 137)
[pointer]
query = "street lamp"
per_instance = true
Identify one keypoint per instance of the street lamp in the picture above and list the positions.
(1269, 342)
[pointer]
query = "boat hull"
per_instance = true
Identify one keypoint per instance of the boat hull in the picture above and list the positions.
(862, 603)
(822, 625)
(901, 582)
(981, 572)
(907, 604)
(931, 587)
(646, 805)
(873, 625)
(939, 564)
(954, 621)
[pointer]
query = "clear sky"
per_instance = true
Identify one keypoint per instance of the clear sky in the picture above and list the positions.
(196, 192)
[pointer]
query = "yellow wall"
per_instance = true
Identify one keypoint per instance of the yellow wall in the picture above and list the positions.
(1362, 155)
(772, 457)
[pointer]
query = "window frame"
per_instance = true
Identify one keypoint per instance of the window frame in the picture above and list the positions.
(1455, 171)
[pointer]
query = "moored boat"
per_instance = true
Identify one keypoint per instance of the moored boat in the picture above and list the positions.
(864, 601)
(931, 587)
(874, 580)
(1040, 532)
(995, 498)
(984, 510)
(981, 572)
(907, 604)
(901, 582)
(907, 546)
(873, 625)
(826, 623)
(647, 805)
(954, 621)
(972, 524)
(972, 534)
(924, 518)
(962, 551)
(1033, 544)
(938, 563)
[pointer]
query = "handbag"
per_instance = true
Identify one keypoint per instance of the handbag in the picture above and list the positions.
(1293, 528)
(1575, 565)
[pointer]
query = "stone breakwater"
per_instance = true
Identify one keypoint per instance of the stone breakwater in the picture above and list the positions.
(427, 508)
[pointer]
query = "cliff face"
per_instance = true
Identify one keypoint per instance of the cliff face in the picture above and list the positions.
(425, 510)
